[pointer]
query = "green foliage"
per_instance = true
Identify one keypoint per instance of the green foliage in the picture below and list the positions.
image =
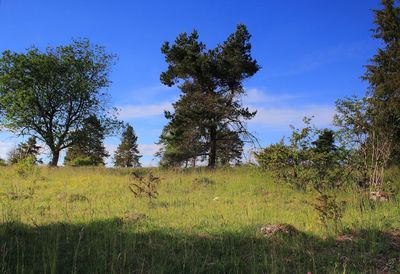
(368, 141)
(3, 162)
(208, 119)
(127, 153)
(310, 159)
(26, 167)
(49, 94)
(81, 161)
(88, 149)
(330, 211)
(25, 150)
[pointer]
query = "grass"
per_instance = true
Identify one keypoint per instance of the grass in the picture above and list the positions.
(86, 220)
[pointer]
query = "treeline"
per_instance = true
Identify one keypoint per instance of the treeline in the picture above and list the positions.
(59, 97)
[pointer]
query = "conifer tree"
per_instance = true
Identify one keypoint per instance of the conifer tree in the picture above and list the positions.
(88, 148)
(209, 113)
(25, 150)
(383, 74)
(127, 153)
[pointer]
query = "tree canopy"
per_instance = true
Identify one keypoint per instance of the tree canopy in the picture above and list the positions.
(208, 119)
(49, 94)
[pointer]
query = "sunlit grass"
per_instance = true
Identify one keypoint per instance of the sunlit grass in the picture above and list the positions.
(61, 214)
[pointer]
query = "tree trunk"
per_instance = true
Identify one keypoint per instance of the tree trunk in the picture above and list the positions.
(212, 158)
(54, 159)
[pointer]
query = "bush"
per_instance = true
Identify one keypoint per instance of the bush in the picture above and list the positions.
(310, 159)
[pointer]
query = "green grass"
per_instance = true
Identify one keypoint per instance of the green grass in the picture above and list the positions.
(82, 220)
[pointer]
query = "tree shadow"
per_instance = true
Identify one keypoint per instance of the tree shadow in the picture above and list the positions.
(113, 246)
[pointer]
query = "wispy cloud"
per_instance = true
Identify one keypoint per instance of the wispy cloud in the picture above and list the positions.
(259, 96)
(283, 117)
(149, 149)
(143, 111)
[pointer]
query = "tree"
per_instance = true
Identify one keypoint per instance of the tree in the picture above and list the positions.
(88, 149)
(370, 142)
(25, 150)
(383, 74)
(49, 94)
(127, 154)
(325, 142)
(211, 82)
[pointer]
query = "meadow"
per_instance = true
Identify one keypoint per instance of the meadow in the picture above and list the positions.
(87, 220)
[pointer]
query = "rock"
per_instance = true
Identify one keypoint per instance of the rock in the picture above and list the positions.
(132, 217)
(344, 238)
(379, 196)
(269, 230)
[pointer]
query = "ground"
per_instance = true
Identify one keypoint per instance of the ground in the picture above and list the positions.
(87, 220)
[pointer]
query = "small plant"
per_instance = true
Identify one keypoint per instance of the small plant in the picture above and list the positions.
(145, 186)
(203, 181)
(330, 211)
(26, 167)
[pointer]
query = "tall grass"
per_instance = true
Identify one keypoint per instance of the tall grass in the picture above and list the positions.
(86, 220)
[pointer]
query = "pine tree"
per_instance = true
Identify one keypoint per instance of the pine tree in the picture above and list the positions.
(209, 113)
(127, 153)
(89, 148)
(325, 142)
(25, 150)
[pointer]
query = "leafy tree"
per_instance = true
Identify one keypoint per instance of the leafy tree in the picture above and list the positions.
(211, 82)
(127, 154)
(369, 142)
(25, 150)
(88, 148)
(49, 94)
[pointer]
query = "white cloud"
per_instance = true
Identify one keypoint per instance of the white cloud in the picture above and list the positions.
(148, 149)
(144, 149)
(283, 117)
(5, 147)
(258, 96)
(143, 111)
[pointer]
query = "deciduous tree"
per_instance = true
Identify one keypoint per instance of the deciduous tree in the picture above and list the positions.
(49, 94)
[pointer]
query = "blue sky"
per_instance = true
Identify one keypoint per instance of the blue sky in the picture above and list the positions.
(312, 52)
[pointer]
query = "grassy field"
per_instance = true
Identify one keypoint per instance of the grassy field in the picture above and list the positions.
(80, 220)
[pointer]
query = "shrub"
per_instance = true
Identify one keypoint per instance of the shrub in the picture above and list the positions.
(310, 159)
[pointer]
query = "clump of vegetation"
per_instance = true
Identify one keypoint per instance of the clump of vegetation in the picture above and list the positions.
(28, 149)
(26, 168)
(203, 181)
(145, 186)
(88, 149)
(311, 159)
(330, 211)
(78, 198)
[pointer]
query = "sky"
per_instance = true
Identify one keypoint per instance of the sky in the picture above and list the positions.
(312, 52)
